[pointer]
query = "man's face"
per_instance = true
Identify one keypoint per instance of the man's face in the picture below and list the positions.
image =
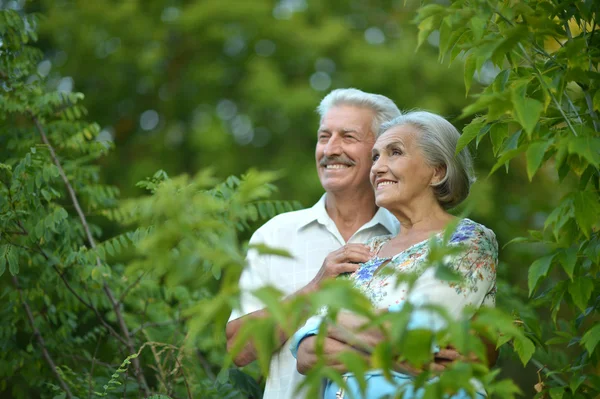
(343, 152)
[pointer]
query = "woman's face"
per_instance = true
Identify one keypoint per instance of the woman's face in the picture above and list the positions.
(400, 175)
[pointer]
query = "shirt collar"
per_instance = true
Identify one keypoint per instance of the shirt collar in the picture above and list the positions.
(319, 214)
(384, 218)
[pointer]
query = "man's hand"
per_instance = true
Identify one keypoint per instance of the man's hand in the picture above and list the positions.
(449, 354)
(343, 260)
(307, 354)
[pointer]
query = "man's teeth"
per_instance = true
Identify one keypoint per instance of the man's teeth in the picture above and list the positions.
(336, 166)
(385, 183)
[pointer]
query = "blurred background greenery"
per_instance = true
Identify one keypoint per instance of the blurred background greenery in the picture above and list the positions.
(184, 85)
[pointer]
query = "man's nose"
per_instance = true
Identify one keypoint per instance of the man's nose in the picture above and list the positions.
(333, 147)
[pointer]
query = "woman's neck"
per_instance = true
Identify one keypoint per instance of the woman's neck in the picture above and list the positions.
(421, 217)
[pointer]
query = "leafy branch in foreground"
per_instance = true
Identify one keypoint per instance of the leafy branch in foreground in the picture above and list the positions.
(90, 300)
(542, 105)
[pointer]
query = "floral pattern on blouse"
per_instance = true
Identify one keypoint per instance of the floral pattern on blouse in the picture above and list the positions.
(476, 263)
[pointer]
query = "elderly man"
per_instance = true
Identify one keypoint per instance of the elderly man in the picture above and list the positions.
(344, 218)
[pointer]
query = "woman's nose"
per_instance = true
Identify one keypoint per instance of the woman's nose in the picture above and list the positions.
(379, 166)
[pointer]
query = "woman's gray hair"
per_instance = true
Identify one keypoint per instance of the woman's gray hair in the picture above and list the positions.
(437, 140)
(384, 108)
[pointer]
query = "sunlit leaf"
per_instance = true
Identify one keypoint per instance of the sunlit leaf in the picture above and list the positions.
(469, 133)
(591, 338)
(538, 269)
(527, 111)
(581, 289)
(535, 155)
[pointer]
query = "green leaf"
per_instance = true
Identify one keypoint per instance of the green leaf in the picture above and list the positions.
(535, 155)
(12, 259)
(581, 289)
(537, 270)
(266, 250)
(587, 148)
(507, 156)
(597, 101)
(416, 347)
(587, 209)
(576, 381)
(477, 27)
(357, 365)
(445, 29)
(469, 133)
(445, 273)
(381, 357)
(2, 260)
(498, 132)
(517, 240)
(556, 392)
(591, 339)
(244, 383)
(524, 348)
(469, 72)
(568, 259)
(527, 111)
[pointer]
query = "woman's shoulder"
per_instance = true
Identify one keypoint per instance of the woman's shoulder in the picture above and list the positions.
(471, 232)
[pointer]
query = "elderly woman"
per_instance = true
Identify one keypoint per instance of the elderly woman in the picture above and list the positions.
(417, 177)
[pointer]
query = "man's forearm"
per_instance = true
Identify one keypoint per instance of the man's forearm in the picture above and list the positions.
(307, 356)
(248, 352)
(349, 328)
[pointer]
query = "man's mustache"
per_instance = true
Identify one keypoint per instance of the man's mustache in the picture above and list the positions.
(344, 160)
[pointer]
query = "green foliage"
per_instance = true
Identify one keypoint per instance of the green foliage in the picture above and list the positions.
(541, 104)
(81, 302)
(164, 266)
(231, 83)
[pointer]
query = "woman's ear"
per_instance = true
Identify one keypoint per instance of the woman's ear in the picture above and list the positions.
(439, 172)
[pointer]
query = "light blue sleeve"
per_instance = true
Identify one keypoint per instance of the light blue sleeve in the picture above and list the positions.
(422, 319)
(310, 328)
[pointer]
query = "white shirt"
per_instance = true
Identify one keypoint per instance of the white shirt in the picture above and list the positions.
(309, 236)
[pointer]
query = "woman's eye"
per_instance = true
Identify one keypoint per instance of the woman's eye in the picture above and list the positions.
(396, 152)
(375, 157)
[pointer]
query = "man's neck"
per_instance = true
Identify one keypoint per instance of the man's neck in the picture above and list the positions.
(351, 211)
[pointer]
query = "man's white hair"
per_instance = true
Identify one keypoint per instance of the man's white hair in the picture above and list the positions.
(384, 108)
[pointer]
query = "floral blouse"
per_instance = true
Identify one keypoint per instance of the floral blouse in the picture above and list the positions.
(476, 263)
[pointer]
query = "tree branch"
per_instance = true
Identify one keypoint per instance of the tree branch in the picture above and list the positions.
(157, 324)
(41, 341)
(205, 365)
(90, 383)
(91, 307)
(124, 294)
(41, 251)
(129, 343)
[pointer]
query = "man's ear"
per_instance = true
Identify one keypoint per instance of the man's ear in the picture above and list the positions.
(439, 172)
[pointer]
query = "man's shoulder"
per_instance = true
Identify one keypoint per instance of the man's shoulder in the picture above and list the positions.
(288, 221)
